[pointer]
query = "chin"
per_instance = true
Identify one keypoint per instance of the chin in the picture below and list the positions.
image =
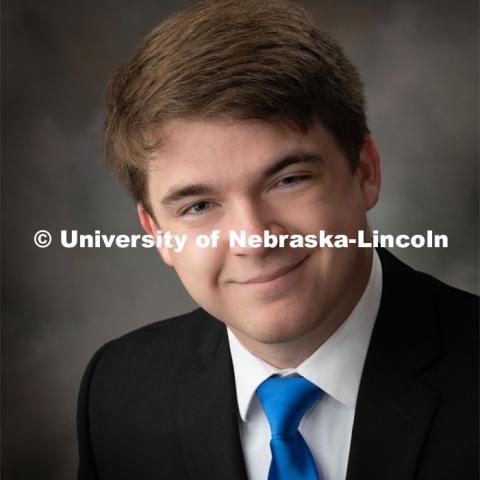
(278, 328)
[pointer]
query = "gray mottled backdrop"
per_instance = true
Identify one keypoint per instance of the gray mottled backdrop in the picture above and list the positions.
(419, 60)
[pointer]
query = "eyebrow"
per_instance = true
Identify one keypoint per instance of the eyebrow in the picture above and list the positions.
(290, 159)
(178, 193)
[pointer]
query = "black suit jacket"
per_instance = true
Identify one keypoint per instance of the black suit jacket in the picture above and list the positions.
(160, 403)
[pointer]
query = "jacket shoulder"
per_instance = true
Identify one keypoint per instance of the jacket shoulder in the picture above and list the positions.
(456, 311)
(447, 295)
(186, 330)
(129, 391)
(168, 348)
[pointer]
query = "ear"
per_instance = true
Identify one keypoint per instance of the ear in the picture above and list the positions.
(368, 172)
(151, 227)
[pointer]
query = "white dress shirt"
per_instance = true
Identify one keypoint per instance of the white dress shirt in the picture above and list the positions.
(335, 367)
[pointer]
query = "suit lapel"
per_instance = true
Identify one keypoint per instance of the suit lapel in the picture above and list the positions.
(391, 422)
(208, 418)
(394, 409)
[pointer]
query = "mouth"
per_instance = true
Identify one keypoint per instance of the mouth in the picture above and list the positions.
(277, 274)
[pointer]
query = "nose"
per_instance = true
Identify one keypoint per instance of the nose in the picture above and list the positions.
(249, 219)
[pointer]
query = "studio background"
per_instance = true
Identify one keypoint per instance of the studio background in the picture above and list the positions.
(419, 62)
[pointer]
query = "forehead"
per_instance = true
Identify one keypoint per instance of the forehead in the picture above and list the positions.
(231, 147)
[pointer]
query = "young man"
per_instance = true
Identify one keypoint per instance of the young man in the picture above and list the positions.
(301, 363)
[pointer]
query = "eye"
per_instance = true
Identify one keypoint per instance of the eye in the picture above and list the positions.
(292, 180)
(197, 208)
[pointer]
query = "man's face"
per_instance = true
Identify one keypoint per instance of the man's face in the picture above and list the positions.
(252, 176)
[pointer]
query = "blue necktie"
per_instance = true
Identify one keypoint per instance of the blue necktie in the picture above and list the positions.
(285, 401)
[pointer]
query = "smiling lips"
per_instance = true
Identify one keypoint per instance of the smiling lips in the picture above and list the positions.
(272, 276)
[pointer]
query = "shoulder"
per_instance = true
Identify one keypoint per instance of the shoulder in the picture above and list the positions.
(170, 347)
(448, 297)
(456, 311)
(177, 333)
(403, 278)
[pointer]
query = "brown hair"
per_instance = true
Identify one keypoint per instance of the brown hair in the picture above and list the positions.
(249, 59)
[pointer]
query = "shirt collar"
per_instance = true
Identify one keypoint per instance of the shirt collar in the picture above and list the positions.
(335, 367)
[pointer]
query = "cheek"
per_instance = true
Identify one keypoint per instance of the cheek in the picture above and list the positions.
(344, 212)
(198, 268)
(339, 211)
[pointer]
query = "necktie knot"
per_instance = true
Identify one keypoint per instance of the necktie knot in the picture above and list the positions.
(285, 401)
